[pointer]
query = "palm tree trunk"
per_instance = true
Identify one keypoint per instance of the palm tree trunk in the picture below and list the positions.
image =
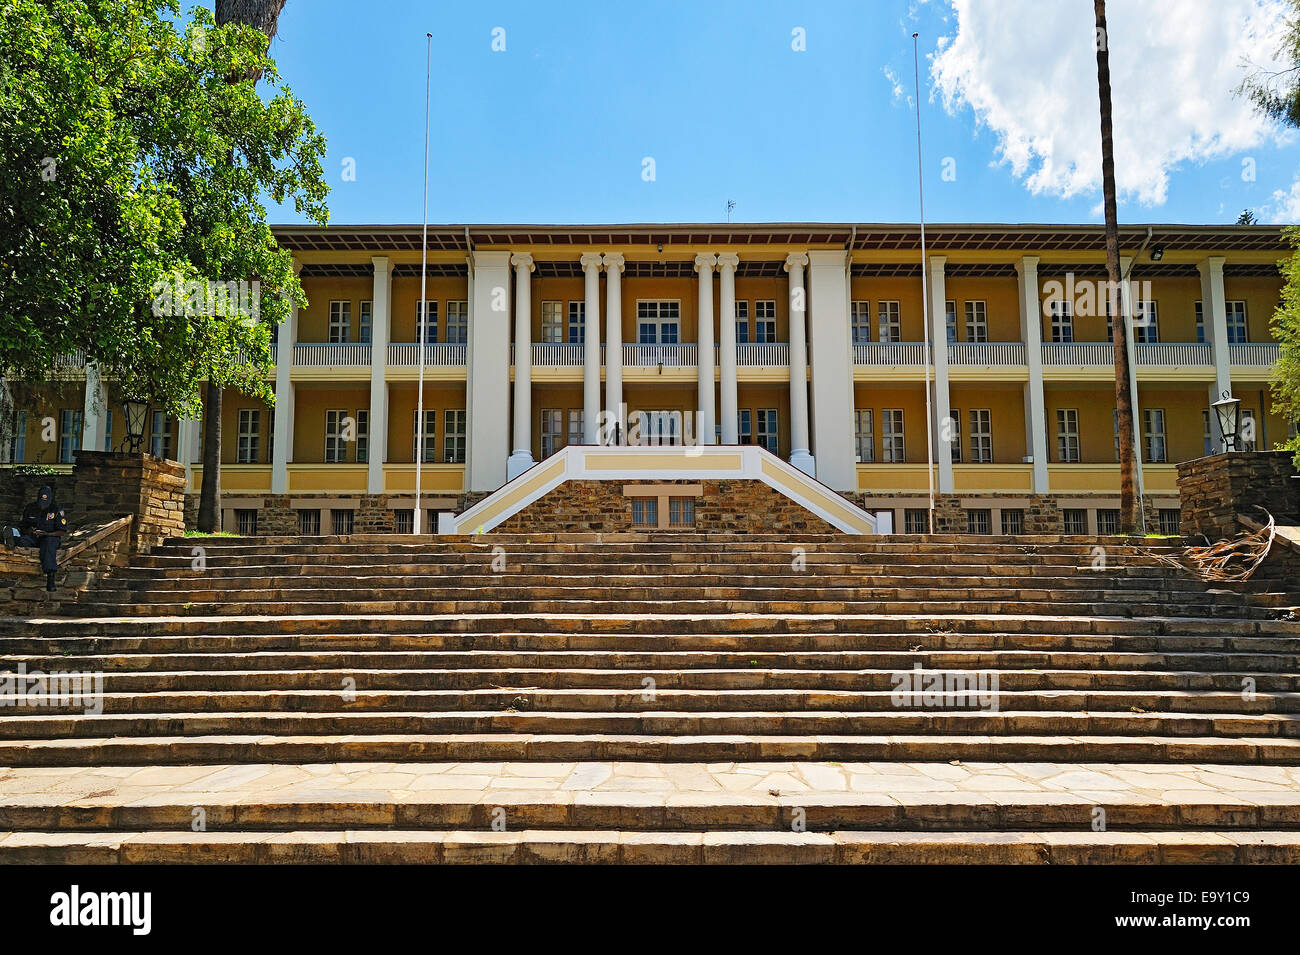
(1123, 395)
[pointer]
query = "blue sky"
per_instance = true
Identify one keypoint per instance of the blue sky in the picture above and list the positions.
(556, 128)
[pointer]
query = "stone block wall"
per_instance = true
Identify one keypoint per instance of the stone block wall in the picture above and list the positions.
(109, 484)
(19, 486)
(1217, 488)
(92, 553)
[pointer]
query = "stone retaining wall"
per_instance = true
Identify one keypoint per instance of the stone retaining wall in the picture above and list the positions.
(81, 566)
(109, 484)
(1217, 488)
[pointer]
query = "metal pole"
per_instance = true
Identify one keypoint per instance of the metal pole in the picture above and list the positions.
(925, 290)
(423, 314)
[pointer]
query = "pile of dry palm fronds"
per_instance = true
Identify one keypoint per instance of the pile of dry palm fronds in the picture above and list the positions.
(1234, 559)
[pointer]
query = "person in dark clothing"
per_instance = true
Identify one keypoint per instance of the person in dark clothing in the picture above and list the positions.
(43, 525)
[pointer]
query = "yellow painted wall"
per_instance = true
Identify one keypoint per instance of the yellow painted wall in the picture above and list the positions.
(905, 291)
(314, 320)
(1261, 297)
(1001, 299)
(563, 398)
(756, 289)
(406, 292)
(309, 419)
(401, 417)
(685, 290)
(1096, 407)
(231, 403)
(1007, 416)
(912, 403)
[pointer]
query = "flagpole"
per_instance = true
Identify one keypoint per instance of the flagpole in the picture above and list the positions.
(925, 288)
(422, 315)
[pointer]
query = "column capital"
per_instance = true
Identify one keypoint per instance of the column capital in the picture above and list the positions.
(522, 260)
(938, 261)
(297, 265)
(1211, 264)
(796, 260)
(1027, 263)
(380, 262)
(590, 260)
(705, 261)
(613, 260)
(728, 260)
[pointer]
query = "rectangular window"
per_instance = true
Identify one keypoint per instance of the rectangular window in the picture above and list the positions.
(1013, 520)
(742, 322)
(108, 431)
(768, 430)
(865, 425)
(1200, 324)
(341, 521)
(340, 322)
(681, 511)
(1146, 323)
(890, 322)
(453, 440)
(552, 323)
(363, 436)
(950, 320)
(427, 335)
(576, 424)
(745, 426)
(1153, 435)
(457, 322)
(430, 434)
(977, 322)
(1171, 519)
(1207, 435)
(365, 322)
(69, 435)
(645, 511)
(246, 441)
(891, 442)
(916, 520)
(1107, 520)
(246, 521)
(979, 520)
(861, 314)
(1237, 323)
(1076, 520)
(981, 435)
(552, 419)
(309, 522)
(577, 324)
(954, 426)
(1247, 439)
(336, 448)
(658, 321)
(765, 322)
(1067, 435)
(1062, 315)
(19, 448)
(160, 438)
(404, 521)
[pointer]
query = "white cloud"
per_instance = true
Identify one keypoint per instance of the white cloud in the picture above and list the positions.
(896, 86)
(1283, 206)
(1028, 71)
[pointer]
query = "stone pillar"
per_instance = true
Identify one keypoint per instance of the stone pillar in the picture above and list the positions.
(1214, 490)
(614, 349)
(706, 423)
(1031, 331)
(107, 485)
(521, 456)
(729, 402)
(591, 349)
(282, 439)
(800, 453)
(488, 373)
(1214, 316)
(380, 333)
(94, 415)
(941, 405)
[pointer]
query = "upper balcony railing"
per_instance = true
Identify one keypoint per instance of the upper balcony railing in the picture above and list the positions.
(763, 354)
(441, 355)
(650, 356)
(1263, 354)
(889, 353)
(317, 354)
(986, 353)
(559, 355)
(1102, 354)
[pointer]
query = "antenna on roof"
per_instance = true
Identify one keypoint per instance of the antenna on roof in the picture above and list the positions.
(731, 204)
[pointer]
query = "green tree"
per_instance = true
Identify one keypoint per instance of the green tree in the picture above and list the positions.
(1247, 217)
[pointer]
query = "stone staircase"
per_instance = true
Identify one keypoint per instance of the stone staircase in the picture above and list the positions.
(254, 658)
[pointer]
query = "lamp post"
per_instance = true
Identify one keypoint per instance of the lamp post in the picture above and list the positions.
(1228, 412)
(136, 412)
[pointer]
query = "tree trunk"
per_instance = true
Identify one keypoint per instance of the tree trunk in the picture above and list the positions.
(265, 15)
(1123, 394)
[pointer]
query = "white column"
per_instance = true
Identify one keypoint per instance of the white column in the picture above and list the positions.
(727, 346)
(380, 326)
(1214, 316)
(1031, 330)
(830, 354)
(282, 439)
(186, 434)
(94, 413)
(591, 349)
(705, 422)
(800, 453)
(487, 383)
(941, 404)
(614, 349)
(521, 456)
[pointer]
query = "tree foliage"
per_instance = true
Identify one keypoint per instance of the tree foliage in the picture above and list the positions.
(136, 158)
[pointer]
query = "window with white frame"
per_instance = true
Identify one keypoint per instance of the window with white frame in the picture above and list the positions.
(860, 313)
(891, 441)
(552, 323)
(864, 420)
(247, 436)
(1249, 439)
(890, 322)
(745, 426)
(950, 320)
(1062, 316)
(340, 322)
(1153, 435)
(768, 430)
(1067, 435)
(577, 326)
(453, 436)
(977, 322)
(336, 448)
(981, 435)
(552, 430)
(1146, 323)
(1207, 434)
(69, 435)
(576, 421)
(365, 322)
(457, 322)
(18, 449)
(160, 439)
(1200, 322)
(363, 435)
(1237, 334)
(430, 443)
(658, 321)
(742, 322)
(108, 430)
(427, 335)
(765, 322)
(952, 427)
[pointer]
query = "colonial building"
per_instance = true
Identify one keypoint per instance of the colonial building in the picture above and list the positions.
(805, 339)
